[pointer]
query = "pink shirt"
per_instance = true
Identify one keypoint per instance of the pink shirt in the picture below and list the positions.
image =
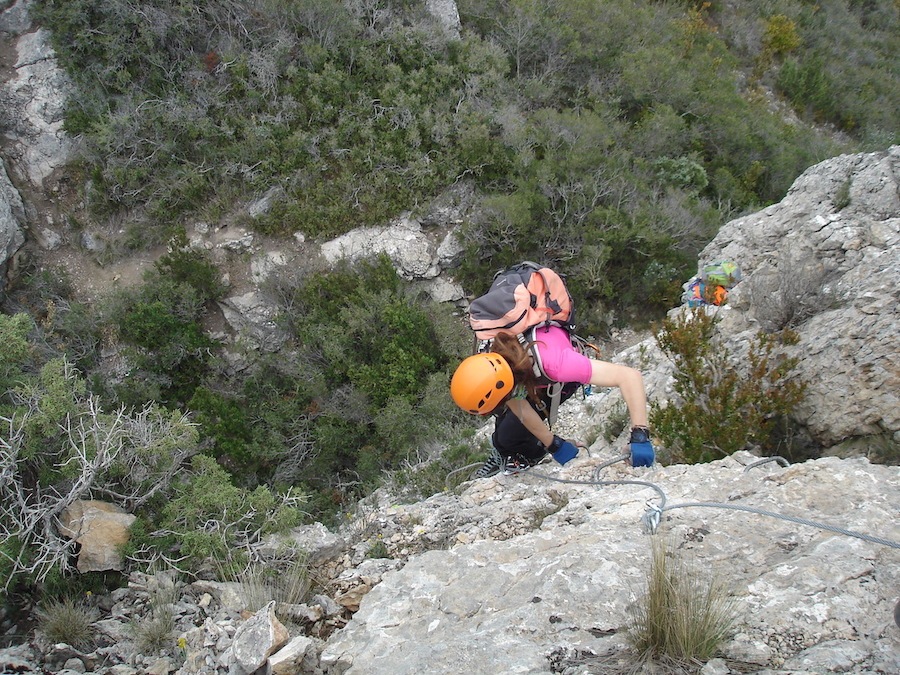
(561, 362)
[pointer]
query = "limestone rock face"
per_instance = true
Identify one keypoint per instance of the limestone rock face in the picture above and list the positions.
(12, 222)
(825, 262)
(35, 99)
(447, 14)
(529, 570)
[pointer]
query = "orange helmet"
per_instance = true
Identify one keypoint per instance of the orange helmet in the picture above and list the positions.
(481, 382)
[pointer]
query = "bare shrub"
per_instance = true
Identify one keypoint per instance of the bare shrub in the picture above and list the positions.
(791, 291)
(62, 434)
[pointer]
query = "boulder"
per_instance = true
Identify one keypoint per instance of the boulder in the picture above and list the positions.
(258, 638)
(100, 529)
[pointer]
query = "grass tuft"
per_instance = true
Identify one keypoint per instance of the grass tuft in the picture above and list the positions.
(685, 614)
(68, 621)
(155, 631)
(287, 583)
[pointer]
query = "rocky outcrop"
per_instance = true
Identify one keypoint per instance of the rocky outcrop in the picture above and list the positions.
(526, 572)
(34, 145)
(12, 222)
(421, 248)
(34, 100)
(447, 14)
(825, 261)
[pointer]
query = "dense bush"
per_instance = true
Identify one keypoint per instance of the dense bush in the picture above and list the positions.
(208, 516)
(16, 350)
(722, 404)
(212, 98)
(382, 367)
(654, 146)
(159, 324)
(607, 138)
(832, 59)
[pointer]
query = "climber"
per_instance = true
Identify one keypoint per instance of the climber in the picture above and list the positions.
(502, 382)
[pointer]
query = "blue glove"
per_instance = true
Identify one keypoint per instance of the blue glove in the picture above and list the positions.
(641, 448)
(561, 450)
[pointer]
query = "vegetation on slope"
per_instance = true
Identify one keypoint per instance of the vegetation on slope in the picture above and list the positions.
(607, 138)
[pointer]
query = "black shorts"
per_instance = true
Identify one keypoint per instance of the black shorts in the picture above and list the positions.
(511, 437)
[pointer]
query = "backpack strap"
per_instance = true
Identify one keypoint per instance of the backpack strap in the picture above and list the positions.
(551, 305)
(554, 389)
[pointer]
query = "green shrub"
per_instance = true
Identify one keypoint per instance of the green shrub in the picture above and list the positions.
(809, 88)
(781, 35)
(682, 172)
(379, 361)
(160, 324)
(170, 350)
(208, 516)
(189, 266)
(226, 425)
(722, 406)
(16, 351)
(388, 347)
(378, 549)
(11, 551)
(53, 399)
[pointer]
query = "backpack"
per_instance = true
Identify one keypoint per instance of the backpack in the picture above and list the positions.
(711, 286)
(521, 299)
